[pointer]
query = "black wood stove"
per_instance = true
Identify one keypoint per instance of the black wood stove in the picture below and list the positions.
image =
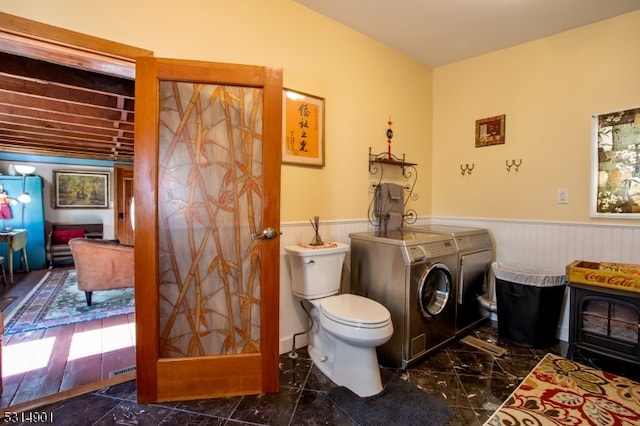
(604, 321)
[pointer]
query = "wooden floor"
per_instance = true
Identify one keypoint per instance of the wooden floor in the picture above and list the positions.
(43, 363)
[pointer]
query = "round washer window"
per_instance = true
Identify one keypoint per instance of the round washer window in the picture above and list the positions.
(434, 290)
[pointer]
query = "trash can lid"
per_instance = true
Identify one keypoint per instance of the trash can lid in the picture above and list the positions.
(527, 275)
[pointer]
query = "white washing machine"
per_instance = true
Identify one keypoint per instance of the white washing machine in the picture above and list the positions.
(475, 254)
(413, 274)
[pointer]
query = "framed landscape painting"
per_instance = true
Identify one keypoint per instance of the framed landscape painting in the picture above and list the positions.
(80, 189)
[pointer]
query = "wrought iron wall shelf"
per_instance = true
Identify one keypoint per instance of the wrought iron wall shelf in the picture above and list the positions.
(390, 159)
(409, 171)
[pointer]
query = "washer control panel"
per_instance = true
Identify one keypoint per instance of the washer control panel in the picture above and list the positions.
(423, 252)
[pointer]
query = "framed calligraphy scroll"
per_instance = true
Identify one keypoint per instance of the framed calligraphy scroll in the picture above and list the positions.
(303, 129)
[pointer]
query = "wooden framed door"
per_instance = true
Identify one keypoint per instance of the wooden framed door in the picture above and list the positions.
(207, 183)
(124, 197)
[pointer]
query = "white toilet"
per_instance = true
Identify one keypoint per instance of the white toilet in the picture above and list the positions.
(346, 328)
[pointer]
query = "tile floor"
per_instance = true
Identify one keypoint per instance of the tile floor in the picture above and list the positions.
(472, 382)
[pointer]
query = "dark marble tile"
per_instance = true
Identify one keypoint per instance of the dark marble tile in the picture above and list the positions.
(486, 392)
(517, 367)
(268, 409)
(232, 422)
(294, 371)
(444, 386)
(557, 349)
(314, 408)
(218, 407)
(186, 418)
(516, 350)
(318, 381)
(438, 361)
(126, 390)
(478, 363)
(81, 410)
(130, 413)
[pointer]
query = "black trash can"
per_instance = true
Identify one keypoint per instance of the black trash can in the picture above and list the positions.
(529, 303)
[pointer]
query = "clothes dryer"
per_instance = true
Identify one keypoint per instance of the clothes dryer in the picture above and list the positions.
(475, 254)
(413, 274)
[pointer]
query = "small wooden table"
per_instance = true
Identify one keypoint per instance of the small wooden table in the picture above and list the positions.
(16, 240)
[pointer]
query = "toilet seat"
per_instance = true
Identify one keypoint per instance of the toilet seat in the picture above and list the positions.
(355, 311)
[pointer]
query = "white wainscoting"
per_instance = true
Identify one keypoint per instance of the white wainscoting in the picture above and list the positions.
(550, 246)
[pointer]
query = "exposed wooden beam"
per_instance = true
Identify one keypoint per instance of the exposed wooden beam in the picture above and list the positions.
(43, 71)
(64, 93)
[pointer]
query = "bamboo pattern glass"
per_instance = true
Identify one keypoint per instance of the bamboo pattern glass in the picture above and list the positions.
(209, 204)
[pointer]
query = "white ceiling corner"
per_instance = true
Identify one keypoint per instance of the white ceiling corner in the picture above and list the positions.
(440, 32)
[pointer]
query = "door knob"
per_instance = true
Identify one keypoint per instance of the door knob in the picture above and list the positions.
(267, 234)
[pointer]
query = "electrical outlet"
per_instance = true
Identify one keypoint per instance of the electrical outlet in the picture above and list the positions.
(563, 196)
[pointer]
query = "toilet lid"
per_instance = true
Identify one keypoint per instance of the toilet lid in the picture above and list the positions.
(354, 310)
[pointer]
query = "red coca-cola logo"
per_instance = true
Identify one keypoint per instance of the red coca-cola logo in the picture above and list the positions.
(617, 280)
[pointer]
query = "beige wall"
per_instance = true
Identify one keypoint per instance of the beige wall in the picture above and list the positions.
(549, 89)
(45, 170)
(362, 81)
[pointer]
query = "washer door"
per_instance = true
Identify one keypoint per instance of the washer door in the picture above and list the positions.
(434, 290)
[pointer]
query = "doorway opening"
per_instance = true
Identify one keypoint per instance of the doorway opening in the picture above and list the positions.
(34, 41)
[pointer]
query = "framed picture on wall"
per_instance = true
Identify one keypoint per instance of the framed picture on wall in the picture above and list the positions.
(490, 131)
(80, 189)
(615, 174)
(302, 128)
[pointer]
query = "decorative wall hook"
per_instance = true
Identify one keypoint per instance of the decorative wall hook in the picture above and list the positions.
(466, 168)
(513, 163)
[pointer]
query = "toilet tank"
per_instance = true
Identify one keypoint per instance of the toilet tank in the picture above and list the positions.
(316, 272)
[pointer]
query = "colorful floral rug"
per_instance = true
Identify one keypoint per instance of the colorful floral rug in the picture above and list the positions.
(56, 301)
(563, 392)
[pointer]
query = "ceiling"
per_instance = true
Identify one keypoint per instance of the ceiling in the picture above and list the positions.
(54, 110)
(440, 32)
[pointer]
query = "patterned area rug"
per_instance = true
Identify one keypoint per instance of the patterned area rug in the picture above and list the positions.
(57, 301)
(5, 303)
(563, 392)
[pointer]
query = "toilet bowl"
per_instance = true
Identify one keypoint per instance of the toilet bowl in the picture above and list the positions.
(356, 319)
(346, 327)
(343, 345)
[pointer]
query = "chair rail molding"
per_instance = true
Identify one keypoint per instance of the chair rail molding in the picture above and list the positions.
(543, 244)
